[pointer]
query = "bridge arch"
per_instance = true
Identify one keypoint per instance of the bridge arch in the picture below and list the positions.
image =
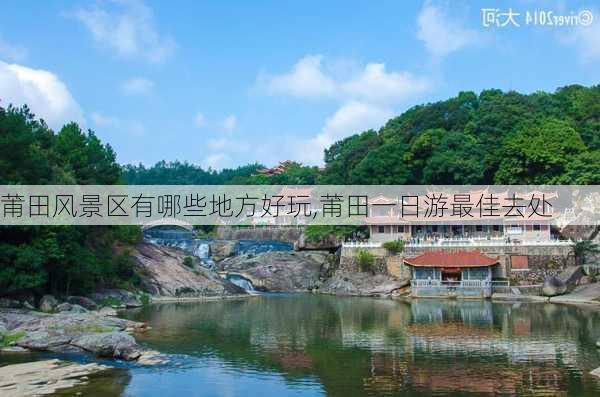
(168, 222)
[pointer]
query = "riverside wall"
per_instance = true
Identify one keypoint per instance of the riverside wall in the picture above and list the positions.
(541, 260)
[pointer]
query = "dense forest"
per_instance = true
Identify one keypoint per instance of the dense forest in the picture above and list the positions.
(492, 138)
(59, 259)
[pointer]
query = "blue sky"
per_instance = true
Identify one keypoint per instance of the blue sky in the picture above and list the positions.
(224, 83)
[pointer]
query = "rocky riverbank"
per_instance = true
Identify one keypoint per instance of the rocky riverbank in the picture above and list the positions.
(74, 332)
(44, 377)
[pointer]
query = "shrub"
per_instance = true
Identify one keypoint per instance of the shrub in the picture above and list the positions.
(394, 247)
(188, 261)
(366, 260)
(145, 299)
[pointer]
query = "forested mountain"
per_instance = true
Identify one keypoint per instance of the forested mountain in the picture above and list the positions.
(492, 138)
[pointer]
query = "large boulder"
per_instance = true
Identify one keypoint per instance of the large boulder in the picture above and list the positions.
(278, 270)
(564, 282)
(163, 273)
(83, 301)
(109, 344)
(363, 284)
(48, 303)
(553, 286)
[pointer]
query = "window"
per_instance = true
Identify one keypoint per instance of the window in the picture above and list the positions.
(537, 228)
(434, 228)
(479, 228)
(519, 262)
(380, 229)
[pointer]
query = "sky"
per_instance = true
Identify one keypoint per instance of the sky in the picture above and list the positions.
(226, 83)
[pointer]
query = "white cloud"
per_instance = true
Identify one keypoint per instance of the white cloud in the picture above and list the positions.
(367, 97)
(12, 52)
(230, 123)
(45, 94)
(216, 161)
(199, 119)
(441, 33)
(371, 83)
(128, 28)
(306, 79)
(586, 39)
(374, 84)
(130, 127)
(137, 86)
(104, 121)
(350, 118)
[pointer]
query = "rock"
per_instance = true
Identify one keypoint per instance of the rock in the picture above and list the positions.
(28, 305)
(43, 377)
(110, 344)
(43, 341)
(162, 273)
(564, 282)
(83, 301)
(596, 372)
(221, 249)
(48, 303)
(13, 349)
(7, 303)
(278, 270)
(118, 298)
(151, 358)
(553, 286)
(598, 344)
(107, 311)
(363, 284)
(68, 307)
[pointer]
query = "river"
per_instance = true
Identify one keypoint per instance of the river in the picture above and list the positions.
(312, 345)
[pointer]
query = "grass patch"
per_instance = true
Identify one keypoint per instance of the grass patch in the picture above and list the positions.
(11, 337)
(111, 301)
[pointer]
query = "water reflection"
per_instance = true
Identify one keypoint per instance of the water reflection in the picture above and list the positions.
(321, 345)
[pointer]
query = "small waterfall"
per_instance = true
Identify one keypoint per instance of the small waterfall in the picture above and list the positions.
(202, 250)
(243, 283)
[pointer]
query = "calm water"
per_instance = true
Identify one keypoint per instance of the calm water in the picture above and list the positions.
(306, 345)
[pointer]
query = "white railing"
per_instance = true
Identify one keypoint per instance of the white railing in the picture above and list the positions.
(483, 242)
(361, 244)
(422, 283)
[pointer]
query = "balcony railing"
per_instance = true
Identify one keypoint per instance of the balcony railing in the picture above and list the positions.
(463, 242)
(495, 285)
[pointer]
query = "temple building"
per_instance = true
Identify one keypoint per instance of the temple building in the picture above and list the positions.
(465, 274)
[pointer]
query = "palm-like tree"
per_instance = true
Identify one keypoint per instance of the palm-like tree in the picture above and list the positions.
(583, 249)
